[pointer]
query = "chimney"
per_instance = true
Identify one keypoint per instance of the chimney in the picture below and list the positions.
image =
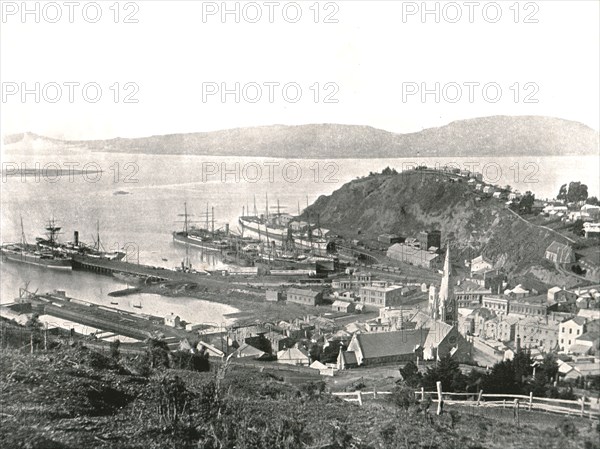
(76, 238)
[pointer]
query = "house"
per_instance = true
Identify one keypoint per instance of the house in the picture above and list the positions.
(172, 320)
(480, 263)
(246, 350)
(591, 230)
(569, 331)
(304, 296)
(209, 349)
(559, 253)
(517, 292)
(343, 306)
(274, 296)
(590, 210)
(323, 369)
(380, 296)
(561, 296)
(586, 344)
(413, 255)
(294, 356)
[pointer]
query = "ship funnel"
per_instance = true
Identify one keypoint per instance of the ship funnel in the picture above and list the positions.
(76, 238)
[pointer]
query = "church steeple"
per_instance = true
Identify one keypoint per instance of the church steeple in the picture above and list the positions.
(447, 302)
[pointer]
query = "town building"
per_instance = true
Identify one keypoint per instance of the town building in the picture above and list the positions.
(569, 331)
(389, 239)
(439, 340)
(496, 303)
(381, 296)
(413, 255)
(172, 320)
(294, 356)
(538, 333)
(480, 263)
(430, 239)
(274, 296)
(343, 306)
(470, 295)
(304, 296)
(529, 306)
(561, 296)
(559, 253)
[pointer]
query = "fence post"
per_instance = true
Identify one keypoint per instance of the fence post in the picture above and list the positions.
(374, 393)
(440, 406)
(503, 403)
(516, 411)
(359, 397)
(582, 406)
(530, 399)
(479, 397)
(422, 393)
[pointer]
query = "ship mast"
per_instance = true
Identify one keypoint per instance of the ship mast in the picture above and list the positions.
(185, 219)
(207, 228)
(255, 211)
(23, 239)
(267, 207)
(212, 217)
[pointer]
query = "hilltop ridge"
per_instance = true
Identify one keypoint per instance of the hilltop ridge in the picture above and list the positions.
(485, 136)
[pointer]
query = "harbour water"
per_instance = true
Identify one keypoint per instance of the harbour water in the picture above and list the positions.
(137, 199)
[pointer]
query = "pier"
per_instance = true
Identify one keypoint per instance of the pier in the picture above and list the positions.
(106, 319)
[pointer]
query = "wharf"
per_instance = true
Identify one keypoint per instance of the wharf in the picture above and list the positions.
(107, 319)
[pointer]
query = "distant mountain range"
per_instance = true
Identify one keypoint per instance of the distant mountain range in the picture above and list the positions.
(487, 136)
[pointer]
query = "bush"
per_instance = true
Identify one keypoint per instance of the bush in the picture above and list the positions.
(568, 428)
(403, 397)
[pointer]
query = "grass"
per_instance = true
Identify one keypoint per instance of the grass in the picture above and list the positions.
(56, 399)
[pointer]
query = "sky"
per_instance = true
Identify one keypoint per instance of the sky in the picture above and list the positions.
(163, 66)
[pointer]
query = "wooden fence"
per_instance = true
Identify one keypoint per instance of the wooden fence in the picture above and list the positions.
(582, 407)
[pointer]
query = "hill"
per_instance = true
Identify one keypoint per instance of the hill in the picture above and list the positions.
(73, 398)
(409, 202)
(485, 136)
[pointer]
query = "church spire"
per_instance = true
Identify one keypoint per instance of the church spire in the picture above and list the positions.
(447, 302)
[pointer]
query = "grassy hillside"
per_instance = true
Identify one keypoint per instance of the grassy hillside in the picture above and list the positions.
(487, 136)
(409, 202)
(67, 398)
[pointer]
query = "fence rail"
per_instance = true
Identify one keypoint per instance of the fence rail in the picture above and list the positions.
(579, 407)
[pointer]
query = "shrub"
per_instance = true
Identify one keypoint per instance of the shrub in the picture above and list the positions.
(568, 428)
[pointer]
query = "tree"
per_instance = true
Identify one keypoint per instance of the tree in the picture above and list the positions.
(593, 201)
(526, 202)
(577, 227)
(577, 192)
(562, 193)
(114, 349)
(411, 375)
(446, 371)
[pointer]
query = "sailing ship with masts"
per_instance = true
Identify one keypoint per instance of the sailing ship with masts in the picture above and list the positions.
(39, 255)
(284, 229)
(208, 238)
